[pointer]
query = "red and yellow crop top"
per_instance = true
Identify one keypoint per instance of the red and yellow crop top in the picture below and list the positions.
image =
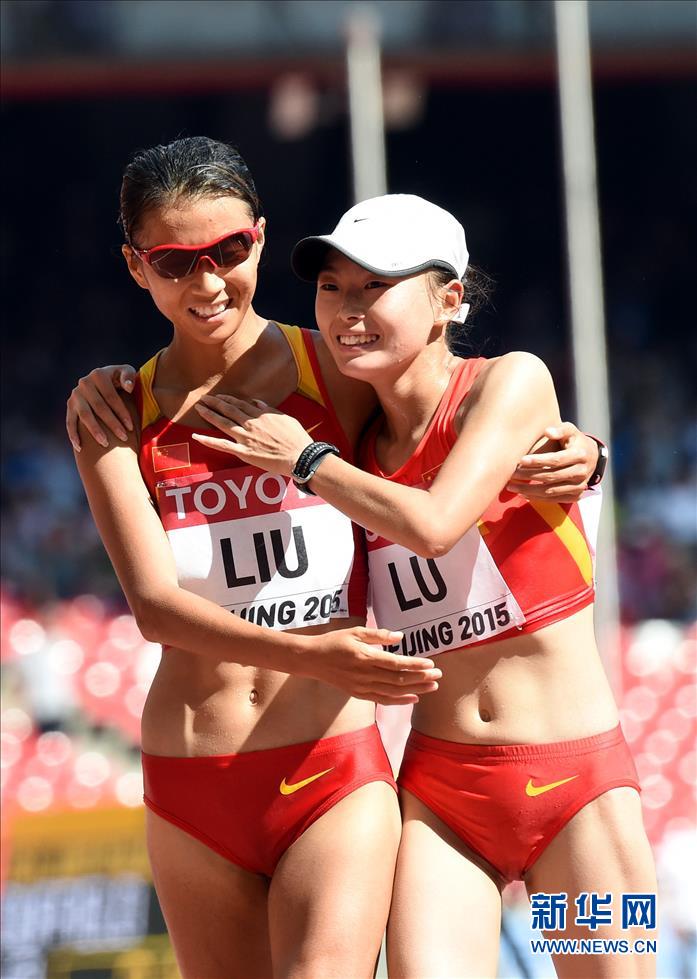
(526, 564)
(247, 539)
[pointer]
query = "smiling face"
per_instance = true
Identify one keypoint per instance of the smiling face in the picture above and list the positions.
(209, 305)
(375, 325)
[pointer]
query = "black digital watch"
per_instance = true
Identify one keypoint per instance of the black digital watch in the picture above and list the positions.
(308, 462)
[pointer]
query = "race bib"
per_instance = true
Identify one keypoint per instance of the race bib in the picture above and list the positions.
(589, 507)
(254, 544)
(440, 603)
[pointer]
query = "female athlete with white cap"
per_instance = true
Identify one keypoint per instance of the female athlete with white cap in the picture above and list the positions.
(516, 768)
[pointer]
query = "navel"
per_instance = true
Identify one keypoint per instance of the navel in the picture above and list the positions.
(253, 696)
(484, 715)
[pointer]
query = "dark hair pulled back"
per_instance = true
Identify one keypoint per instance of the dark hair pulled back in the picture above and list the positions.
(193, 167)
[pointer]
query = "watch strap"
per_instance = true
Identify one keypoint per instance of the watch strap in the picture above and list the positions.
(601, 464)
(308, 463)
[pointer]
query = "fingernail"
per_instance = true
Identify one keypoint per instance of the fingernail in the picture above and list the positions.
(122, 435)
(129, 424)
(128, 385)
(78, 448)
(103, 442)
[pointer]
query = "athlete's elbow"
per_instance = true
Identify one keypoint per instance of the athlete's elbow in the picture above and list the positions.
(432, 548)
(149, 630)
(432, 542)
(147, 625)
(152, 624)
(433, 530)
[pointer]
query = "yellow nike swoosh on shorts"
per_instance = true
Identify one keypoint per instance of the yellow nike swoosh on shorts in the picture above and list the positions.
(309, 430)
(534, 790)
(288, 789)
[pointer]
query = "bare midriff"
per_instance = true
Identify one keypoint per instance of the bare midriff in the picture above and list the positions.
(198, 707)
(534, 688)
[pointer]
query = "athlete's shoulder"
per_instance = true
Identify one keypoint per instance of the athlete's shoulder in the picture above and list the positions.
(515, 368)
(516, 384)
(517, 362)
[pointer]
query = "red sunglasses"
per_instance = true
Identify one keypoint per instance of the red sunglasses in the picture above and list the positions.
(176, 261)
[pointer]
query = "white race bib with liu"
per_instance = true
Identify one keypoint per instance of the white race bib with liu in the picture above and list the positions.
(440, 603)
(251, 542)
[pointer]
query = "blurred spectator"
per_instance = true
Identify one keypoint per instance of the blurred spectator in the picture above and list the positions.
(50, 547)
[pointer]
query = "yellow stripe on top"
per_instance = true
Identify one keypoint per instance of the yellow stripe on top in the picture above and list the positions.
(151, 409)
(307, 383)
(568, 533)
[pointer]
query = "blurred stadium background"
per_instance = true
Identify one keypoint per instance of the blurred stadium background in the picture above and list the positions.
(470, 105)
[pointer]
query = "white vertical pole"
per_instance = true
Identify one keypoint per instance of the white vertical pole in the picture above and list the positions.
(586, 290)
(365, 105)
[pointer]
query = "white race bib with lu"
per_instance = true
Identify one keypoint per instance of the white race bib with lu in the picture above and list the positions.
(440, 603)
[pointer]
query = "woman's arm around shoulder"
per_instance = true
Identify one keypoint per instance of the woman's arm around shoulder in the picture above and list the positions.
(136, 542)
(510, 403)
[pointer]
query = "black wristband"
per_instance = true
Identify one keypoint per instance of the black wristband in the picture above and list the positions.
(308, 461)
(601, 464)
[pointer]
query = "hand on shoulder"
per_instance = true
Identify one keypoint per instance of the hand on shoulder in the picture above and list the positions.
(96, 403)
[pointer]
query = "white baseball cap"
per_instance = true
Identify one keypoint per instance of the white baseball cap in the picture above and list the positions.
(394, 235)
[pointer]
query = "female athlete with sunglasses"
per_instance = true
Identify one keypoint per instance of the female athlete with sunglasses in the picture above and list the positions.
(272, 816)
(517, 767)
(241, 758)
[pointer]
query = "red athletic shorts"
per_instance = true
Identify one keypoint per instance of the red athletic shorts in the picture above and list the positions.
(508, 802)
(250, 807)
